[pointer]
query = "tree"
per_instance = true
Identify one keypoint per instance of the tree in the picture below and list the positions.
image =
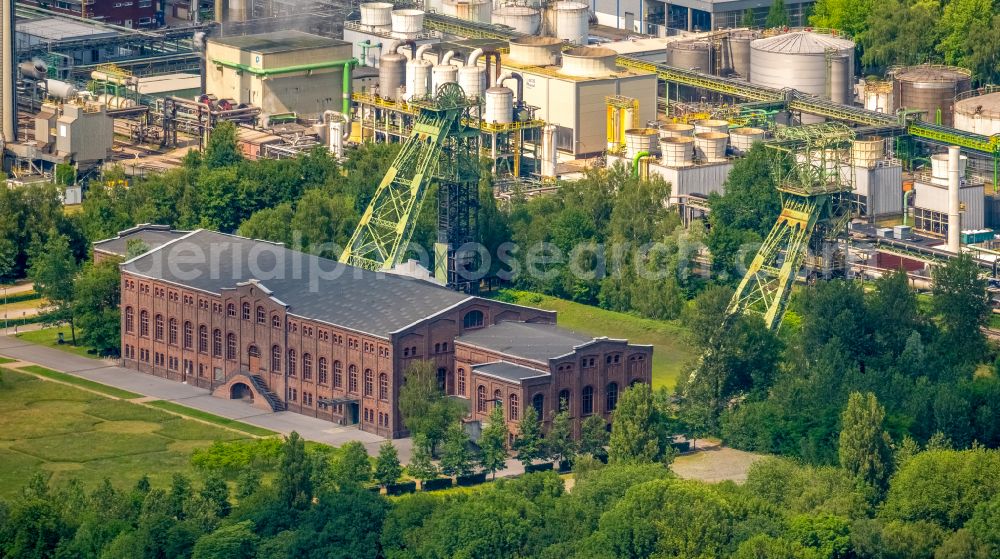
(352, 466)
(865, 448)
(849, 16)
(559, 443)
(96, 298)
(777, 16)
(52, 269)
(426, 410)
(901, 32)
(222, 150)
(215, 493)
(528, 443)
(420, 465)
(456, 460)
(493, 443)
(962, 306)
(957, 20)
(748, 19)
(387, 466)
(637, 433)
(295, 488)
(135, 247)
(236, 541)
(594, 436)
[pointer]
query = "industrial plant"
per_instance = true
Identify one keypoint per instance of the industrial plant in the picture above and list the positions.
(896, 170)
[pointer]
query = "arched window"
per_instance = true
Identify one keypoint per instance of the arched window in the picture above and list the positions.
(338, 375)
(587, 400)
(246, 311)
(158, 327)
(291, 363)
(461, 382)
(369, 382)
(473, 319)
(324, 373)
(217, 343)
(564, 400)
(129, 320)
(307, 366)
(275, 359)
(231, 310)
(188, 335)
(231, 346)
(352, 379)
(612, 402)
(497, 398)
(172, 331)
(144, 323)
(203, 338)
(481, 399)
(261, 315)
(538, 402)
(512, 408)
(383, 386)
(276, 321)
(253, 352)
(442, 378)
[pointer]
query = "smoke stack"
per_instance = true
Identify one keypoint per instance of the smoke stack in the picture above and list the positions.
(8, 104)
(954, 217)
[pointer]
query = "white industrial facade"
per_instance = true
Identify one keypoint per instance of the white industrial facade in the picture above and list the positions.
(653, 16)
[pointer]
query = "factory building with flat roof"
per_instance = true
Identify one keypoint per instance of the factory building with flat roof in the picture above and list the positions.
(254, 320)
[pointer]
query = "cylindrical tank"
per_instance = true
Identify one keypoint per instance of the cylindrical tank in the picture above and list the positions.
(676, 151)
(520, 18)
(802, 60)
(376, 14)
(442, 74)
(711, 146)
(115, 102)
(60, 89)
(711, 125)
(469, 10)
(534, 51)
(418, 78)
(33, 70)
(676, 130)
(572, 21)
(841, 79)
(878, 96)
(639, 140)
(939, 167)
(548, 155)
(691, 55)
(499, 106)
(739, 52)
(742, 139)
(472, 79)
(978, 113)
(865, 153)
(931, 89)
(589, 62)
(391, 74)
(406, 24)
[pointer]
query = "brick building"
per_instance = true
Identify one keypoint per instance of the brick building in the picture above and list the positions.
(151, 235)
(287, 330)
(127, 13)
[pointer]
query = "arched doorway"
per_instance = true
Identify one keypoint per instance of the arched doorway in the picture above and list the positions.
(240, 391)
(253, 355)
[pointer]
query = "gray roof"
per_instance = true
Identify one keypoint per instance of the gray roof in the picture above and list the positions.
(508, 371)
(538, 342)
(377, 303)
(153, 235)
(54, 28)
(278, 41)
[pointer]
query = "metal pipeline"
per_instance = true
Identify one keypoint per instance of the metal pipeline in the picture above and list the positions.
(473, 57)
(421, 50)
(954, 215)
(446, 59)
(327, 115)
(413, 48)
(906, 198)
(491, 55)
(520, 84)
(635, 162)
(365, 45)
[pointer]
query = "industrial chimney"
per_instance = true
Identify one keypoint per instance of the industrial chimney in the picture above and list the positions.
(954, 217)
(8, 104)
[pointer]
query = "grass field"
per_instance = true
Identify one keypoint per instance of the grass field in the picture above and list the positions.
(670, 351)
(81, 382)
(65, 432)
(211, 418)
(48, 337)
(14, 310)
(4, 360)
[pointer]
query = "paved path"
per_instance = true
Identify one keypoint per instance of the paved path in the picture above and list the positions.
(106, 371)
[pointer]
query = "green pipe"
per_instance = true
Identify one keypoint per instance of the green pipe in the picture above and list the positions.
(906, 198)
(345, 92)
(635, 162)
(365, 45)
(265, 72)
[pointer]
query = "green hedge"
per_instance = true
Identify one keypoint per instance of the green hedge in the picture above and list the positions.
(12, 322)
(18, 297)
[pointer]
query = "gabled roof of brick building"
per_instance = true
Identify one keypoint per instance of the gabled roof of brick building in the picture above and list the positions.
(153, 235)
(537, 342)
(509, 371)
(311, 287)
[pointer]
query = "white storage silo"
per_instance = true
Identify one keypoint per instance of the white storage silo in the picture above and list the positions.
(711, 125)
(391, 74)
(809, 62)
(738, 55)
(572, 21)
(711, 146)
(418, 77)
(676, 130)
(469, 10)
(979, 113)
(407, 24)
(865, 153)
(519, 18)
(534, 51)
(443, 73)
(676, 151)
(638, 140)
(742, 139)
(376, 15)
(878, 96)
(499, 106)
(589, 62)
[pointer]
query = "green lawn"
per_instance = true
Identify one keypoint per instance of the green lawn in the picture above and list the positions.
(65, 432)
(82, 382)
(671, 353)
(5, 360)
(212, 418)
(49, 337)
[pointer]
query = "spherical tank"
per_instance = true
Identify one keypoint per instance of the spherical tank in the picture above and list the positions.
(694, 55)
(979, 113)
(472, 79)
(799, 60)
(572, 21)
(519, 18)
(499, 105)
(442, 74)
(391, 74)
(418, 78)
(535, 51)
(738, 53)
(376, 14)
(931, 89)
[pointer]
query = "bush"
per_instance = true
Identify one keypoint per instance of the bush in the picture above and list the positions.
(236, 455)
(436, 484)
(401, 488)
(471, 479)
(531, 468)
(19, 297)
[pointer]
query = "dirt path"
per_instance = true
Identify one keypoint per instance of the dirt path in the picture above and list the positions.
(712, 462)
